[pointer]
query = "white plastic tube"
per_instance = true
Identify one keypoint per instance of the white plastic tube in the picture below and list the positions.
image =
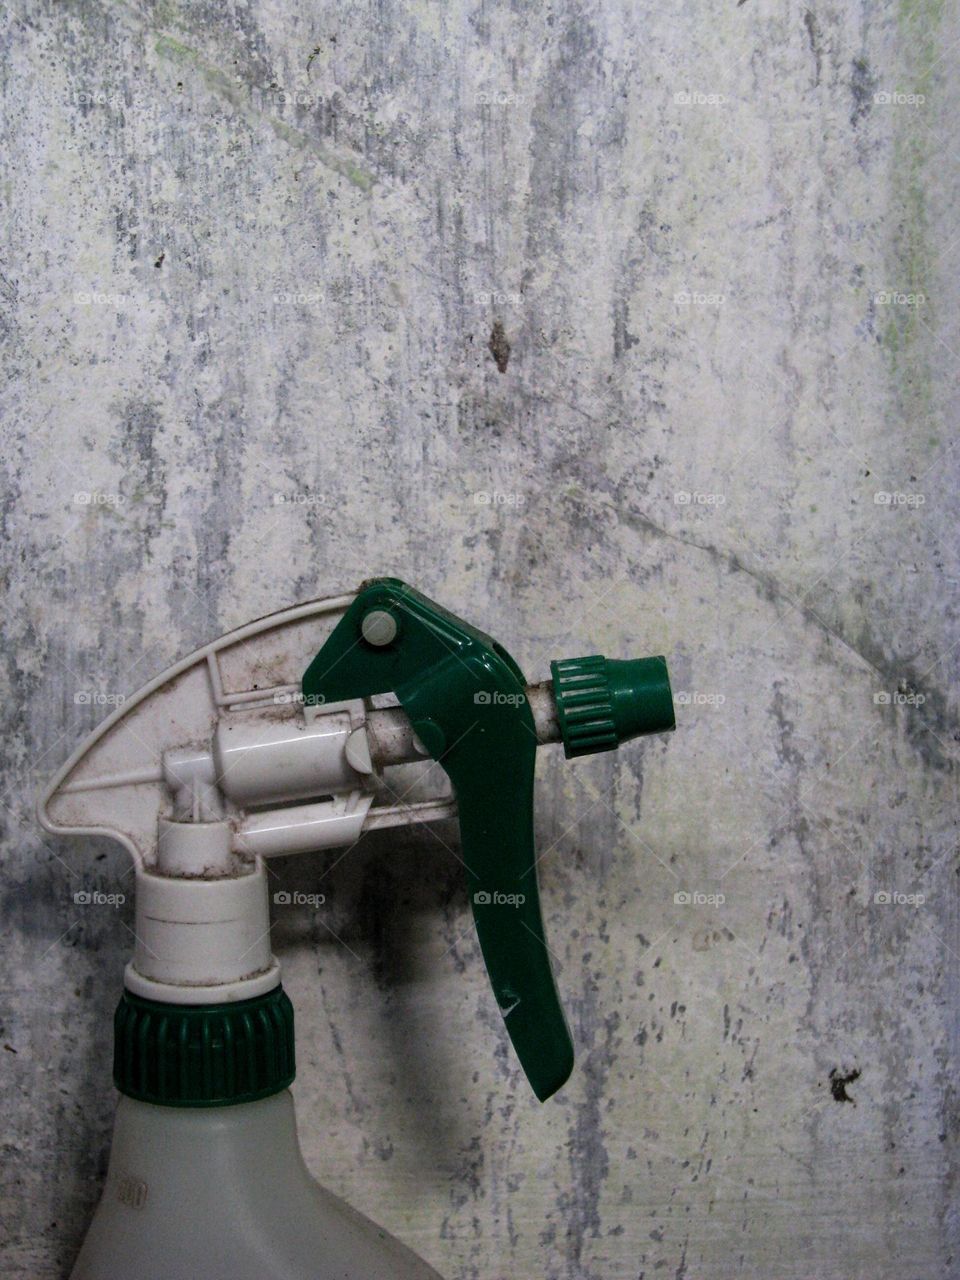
(258, 762)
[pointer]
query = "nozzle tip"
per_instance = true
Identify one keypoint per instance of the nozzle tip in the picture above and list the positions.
(602, 702)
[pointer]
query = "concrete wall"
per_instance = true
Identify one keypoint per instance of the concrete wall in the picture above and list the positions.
(289, 291)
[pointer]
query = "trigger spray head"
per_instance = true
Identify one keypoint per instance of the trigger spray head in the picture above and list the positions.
(230, 767)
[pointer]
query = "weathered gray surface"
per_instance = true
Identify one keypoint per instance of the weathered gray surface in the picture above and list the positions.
(293, 217)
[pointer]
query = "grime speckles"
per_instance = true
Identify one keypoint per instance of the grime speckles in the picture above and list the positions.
(469, 1166)
(590, 1160)
(383, 1148)
(623, 339)
(838, 1084)
(814, 40)
(862, 85)
(136, 450)
(498, 346)
(788, 751)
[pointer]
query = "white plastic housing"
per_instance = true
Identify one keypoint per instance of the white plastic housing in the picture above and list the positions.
(214, 765)
(225, 732)
(202, 941)
(114, 784)
(201, 849)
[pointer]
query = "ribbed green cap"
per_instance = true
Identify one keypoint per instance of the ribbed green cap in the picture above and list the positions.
(205, 1055)
(602, 702)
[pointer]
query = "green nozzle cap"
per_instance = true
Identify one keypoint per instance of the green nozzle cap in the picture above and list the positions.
(602, 702)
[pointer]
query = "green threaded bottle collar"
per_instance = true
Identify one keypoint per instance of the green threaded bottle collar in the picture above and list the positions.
(208, 1055)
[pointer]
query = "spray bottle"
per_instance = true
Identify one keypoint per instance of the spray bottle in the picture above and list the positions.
(283, 737)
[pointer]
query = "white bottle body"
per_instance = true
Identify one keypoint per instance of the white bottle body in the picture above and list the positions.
(223, 1193)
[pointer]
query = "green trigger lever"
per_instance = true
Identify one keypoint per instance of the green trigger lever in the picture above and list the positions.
(468, 703)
